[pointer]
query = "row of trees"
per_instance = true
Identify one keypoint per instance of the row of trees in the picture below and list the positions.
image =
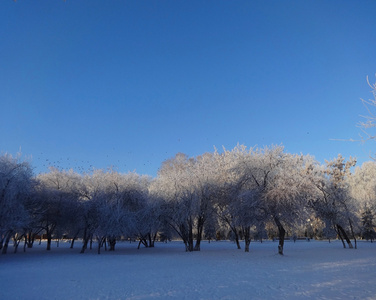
(240, 193)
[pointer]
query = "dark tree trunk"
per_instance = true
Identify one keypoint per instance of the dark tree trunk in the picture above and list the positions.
(152, 239)
(200, 229)
(16, 243)
(49, 239)
(84, 246)
(340, 236)
(247, 237)
(190, 236)
(29, 239)
(48, 243)
(353, 234)
(281, 235)
(5, 246)
(139, 244)
(237, 238)
(85, 241)
(151, 243)
(344, 234)
(101, 240)
(74, 238)
(99, 246)
(72, 242)
(112, 242)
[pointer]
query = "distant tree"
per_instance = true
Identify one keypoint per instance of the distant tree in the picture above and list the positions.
(368, 226)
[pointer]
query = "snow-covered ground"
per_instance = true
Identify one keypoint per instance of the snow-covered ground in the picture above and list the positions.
(308, 270)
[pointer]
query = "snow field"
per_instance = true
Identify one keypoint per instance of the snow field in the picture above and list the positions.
(308, 270)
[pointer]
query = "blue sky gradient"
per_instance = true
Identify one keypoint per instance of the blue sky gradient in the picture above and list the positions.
(131, 83)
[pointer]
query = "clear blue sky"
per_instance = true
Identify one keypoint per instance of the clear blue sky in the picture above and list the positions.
(132, 83)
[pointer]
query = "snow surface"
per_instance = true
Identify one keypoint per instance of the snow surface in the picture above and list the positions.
(308, 270)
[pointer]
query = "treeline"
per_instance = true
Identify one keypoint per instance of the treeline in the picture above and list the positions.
(236, 194)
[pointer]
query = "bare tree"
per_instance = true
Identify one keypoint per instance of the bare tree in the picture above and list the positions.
(369, 119)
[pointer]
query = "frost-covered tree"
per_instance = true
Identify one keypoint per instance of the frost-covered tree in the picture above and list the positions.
(147, 219)
(362, 185)
(333, 202)
(140, 210)
(227, 191)
(58, 197)
(174, 185)
(264, 184)
(16, 186)
(285, 193)
(240, 201)
(115, 206)
(187, 186)
(206, 180)
(368, 224)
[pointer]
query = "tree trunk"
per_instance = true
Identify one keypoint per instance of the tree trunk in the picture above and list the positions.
(247, 237)
(197, 245)
(99, 246)
(101, 240)
(5, 246)
(344, 234)
(85, 241)
(72, 242)
(112, 242)
(340, 236)
(353, 234)
(139, 244)
(281, 235)
(16, 243)
(200, 229)
(237, 238)
(29, 239)
(190, 236)
(84, 246)
(152, 239)
(74, 238)
(49, 238)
